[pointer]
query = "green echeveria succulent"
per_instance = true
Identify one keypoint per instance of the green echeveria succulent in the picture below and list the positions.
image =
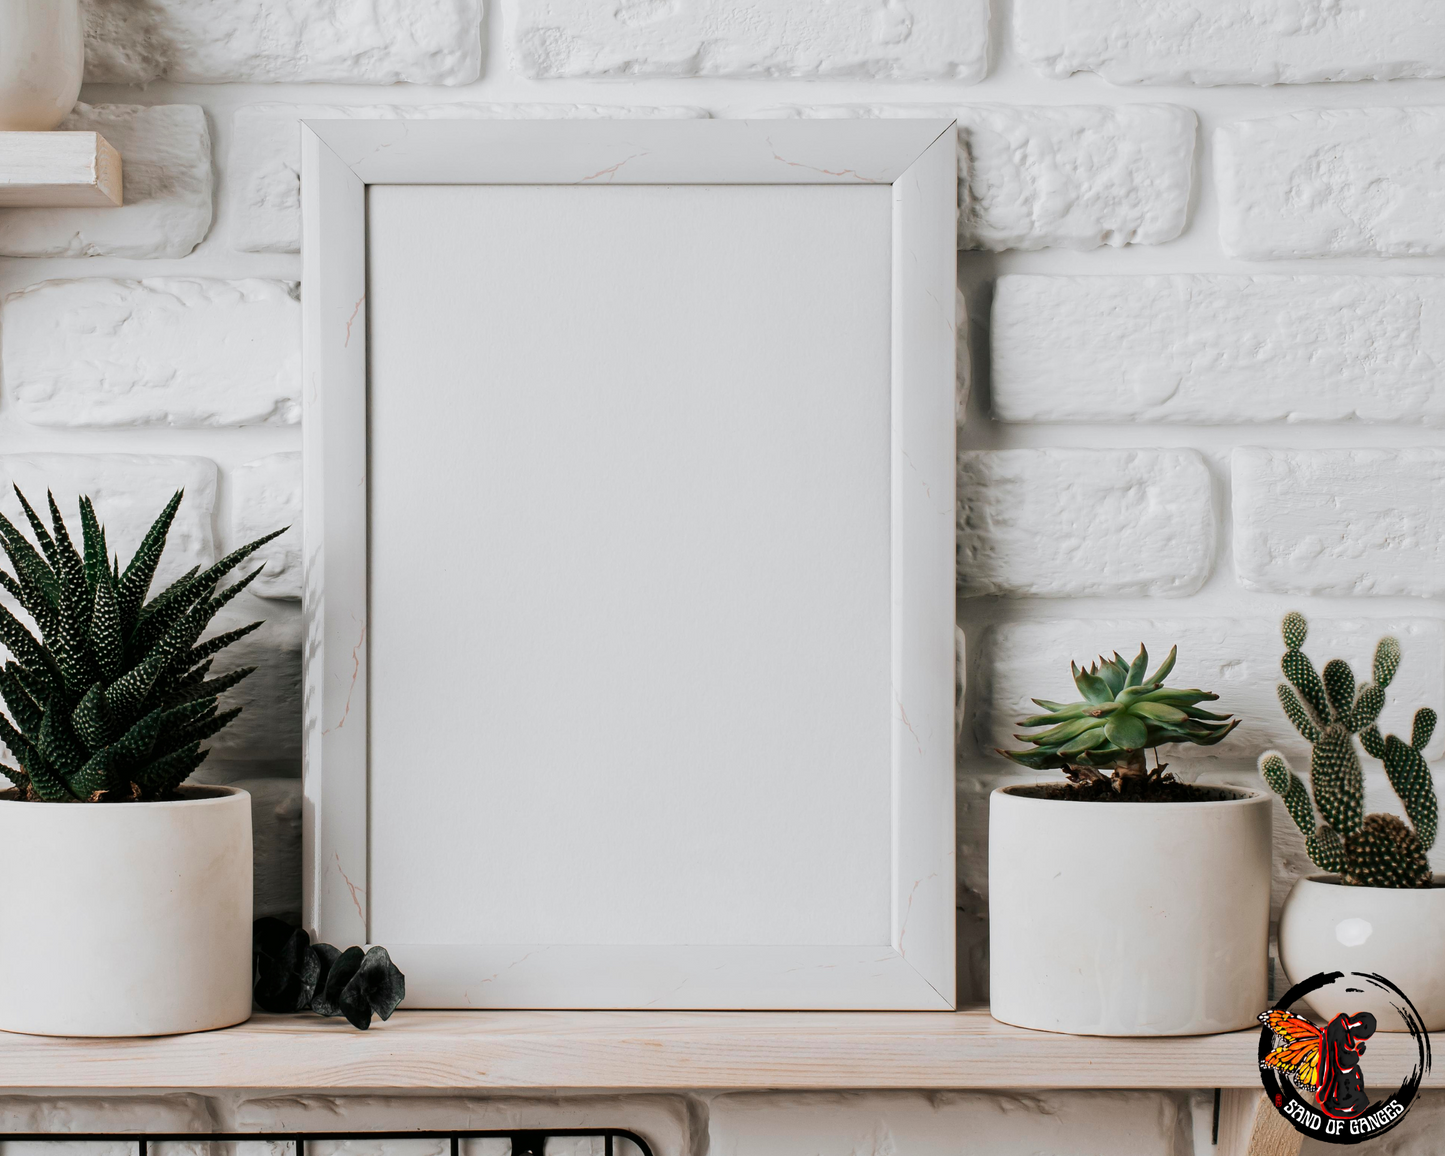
(1123, 714)
(111, 701)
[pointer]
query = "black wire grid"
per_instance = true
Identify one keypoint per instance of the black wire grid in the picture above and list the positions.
(524, 1143)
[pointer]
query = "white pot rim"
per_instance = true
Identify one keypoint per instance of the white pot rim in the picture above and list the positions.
(1437, 881)
(1240, 796)
(195, 795)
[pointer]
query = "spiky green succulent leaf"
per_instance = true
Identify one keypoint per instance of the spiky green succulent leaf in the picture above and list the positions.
(1094, 689)
(42, 535)
(1373, 742)
(93, 544)
(93, 720)
(31, 570)
(47, 783)
(1137, 668)
(135, 581)
(22, 706)
(1156, 679)
(106, 642)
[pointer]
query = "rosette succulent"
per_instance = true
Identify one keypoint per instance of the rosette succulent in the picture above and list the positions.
(1124, 713)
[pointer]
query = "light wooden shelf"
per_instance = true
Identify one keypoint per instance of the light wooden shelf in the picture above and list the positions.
(463, 1051)
(58, 170)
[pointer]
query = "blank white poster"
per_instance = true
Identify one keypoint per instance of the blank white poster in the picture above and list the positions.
(629, 546)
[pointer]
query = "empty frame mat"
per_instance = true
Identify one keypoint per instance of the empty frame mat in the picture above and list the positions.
(632, 618)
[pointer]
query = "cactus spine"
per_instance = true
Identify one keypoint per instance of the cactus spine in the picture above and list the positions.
(1365, 850)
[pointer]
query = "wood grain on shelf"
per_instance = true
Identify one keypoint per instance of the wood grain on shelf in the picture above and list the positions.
(460, 1050)
(58, 170)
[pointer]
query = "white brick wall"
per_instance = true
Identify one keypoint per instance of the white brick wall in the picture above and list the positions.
(368, 41)
(1331, 183)
(1035, 521)
(166, 351)
(1219, 349)
(1232, 41)
(880, 39)
(1207, 368)
(1340, 521)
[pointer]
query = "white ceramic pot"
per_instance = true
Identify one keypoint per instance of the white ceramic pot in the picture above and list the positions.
(126, 919)
(1395, 932)
(42, 61)
(1129, 919)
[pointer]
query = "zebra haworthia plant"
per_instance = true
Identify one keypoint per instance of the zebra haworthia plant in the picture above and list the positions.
(112, 700)
(1378, 850)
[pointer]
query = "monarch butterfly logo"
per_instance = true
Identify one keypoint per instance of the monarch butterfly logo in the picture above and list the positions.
(1323, 1062)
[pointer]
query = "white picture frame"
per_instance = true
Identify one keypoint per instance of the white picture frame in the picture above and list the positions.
(352, 857)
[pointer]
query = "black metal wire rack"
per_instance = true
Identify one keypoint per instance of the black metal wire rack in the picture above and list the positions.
(524, 1142)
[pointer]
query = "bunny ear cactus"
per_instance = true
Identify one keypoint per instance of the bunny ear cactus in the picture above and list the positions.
(1123, 714)
(111, 701)
(1365, 850)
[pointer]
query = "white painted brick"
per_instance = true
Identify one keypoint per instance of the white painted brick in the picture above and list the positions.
(665, 1122)
(269, 726)
(128, 490)
(168, 351)
(1236, 658)
(266, 495)
(356, 41)
(1340, 521)
(874, 39)
(1218, 349)
(1076, 177)
(918, 1124)
(1060, 522)
(174, 1113)
(1233, 41)
(265, 155)
(276, 844)
(1070, 176)
(1333, 182)
(166, 154)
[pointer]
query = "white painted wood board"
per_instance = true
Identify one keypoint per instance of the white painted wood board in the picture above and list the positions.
(624, 564)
